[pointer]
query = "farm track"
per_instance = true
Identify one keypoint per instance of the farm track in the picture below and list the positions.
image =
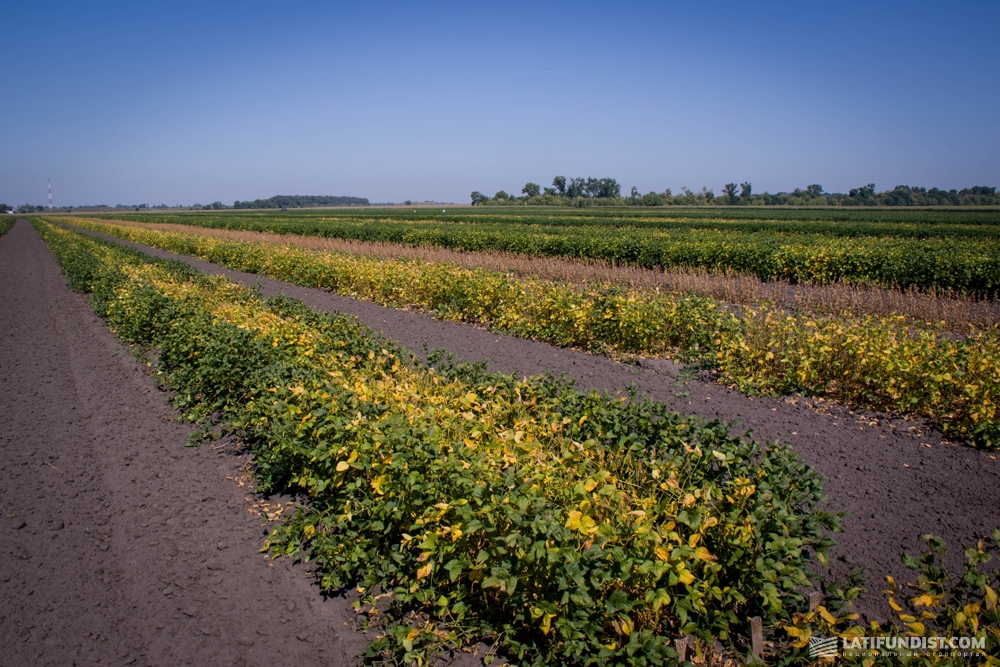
(120, 546)
(896, 479)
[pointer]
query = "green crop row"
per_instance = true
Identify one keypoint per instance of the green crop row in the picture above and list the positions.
(966, 265)
(562, 527)
(843, 222)
(6, 223)
(878, 363)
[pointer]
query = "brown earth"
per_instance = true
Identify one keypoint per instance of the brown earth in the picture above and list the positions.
(124, 547)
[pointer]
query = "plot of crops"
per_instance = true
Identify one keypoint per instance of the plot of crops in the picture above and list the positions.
(952, 250)
(553, 524)
(885, 362)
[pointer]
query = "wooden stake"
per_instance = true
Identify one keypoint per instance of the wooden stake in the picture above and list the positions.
(757, 636)
(815, 600)
(681, 646)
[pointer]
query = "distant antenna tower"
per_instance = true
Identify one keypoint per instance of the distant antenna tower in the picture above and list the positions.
(50, 194)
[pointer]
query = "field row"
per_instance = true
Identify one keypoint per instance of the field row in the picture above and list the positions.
(961, 264)
(565, 527)
(874, 362)
(844, 222)
(955, 313)
(561, 528)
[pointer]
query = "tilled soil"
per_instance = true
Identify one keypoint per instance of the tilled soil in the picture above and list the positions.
(118, 544)
(895, 479)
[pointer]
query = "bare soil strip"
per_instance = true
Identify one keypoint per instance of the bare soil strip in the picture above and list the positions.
(119, 545)
(895, 478)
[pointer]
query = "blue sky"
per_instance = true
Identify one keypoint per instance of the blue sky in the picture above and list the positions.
(196, 102)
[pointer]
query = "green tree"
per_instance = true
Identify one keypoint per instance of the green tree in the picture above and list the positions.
(746, 189)
(608, 188)
(559, 183)
(652, 199)
(864, 192)
(730, 190)
(478, 197)
(501, 196)
(531, 189)
(576, 187)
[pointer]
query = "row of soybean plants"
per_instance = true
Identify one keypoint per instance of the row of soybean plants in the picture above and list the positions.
(873, 362)
(982, 223)
(562, 527)
(962, 264)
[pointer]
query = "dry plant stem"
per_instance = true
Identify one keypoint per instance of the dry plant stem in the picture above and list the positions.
(960, 314)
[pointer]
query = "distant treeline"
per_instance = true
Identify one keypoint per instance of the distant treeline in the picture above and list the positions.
(301, 201)
(278, 202)
(607, 192)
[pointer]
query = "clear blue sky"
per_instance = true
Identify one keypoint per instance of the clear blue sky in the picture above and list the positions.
(150, 102)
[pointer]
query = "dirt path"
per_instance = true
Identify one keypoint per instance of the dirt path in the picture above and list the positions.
(896, 479)
(118, 545)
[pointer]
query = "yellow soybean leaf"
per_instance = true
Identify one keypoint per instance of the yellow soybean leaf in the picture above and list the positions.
(471, 444)
(704, 554)
(573, 522)
(827, 616)
(378, 483)
(991, 599)
(546, 624)
(342, 466)
(590, 485)
(895, 605)
(626, 627)
(425, 571)
(686, 577)
(922, 601)
(719, 455)
(662, 553)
